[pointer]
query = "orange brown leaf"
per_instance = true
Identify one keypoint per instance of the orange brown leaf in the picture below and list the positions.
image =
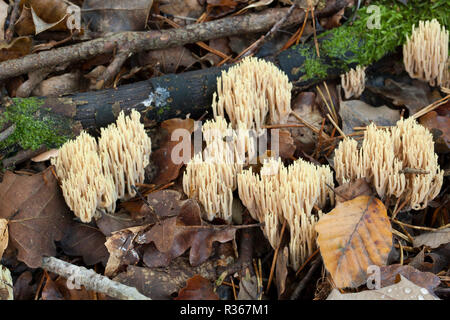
(353, 236)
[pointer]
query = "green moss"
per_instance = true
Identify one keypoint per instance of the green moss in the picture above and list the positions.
(313, 66)
(33, 127)
(354, 43)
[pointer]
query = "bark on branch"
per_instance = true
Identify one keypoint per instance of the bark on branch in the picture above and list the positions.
(91, 280)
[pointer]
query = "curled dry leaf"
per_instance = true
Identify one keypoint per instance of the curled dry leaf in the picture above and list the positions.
(197, 288)
(440, 128)
(162, 158)
(357, 113)
(3, 236)
(6, 284)
(41, 15)
(36, 212)
(390, 274)
(432, 239)
(286, 145)
(86, 241)
(352, 190)
(121, 248)
(353, 236)
(115, 16)
(19, 47)
(3, 16)
(403, 290)
(164, 283)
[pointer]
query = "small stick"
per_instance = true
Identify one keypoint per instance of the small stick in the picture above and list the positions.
(263, 39)
(91, 280)
(413, 171)
(7, 132)
(275, 256)
(420, 228)
(431, 107)
(12, 21)
(283, 125)
(331, 101)
(305, 280)
(399, 234)
(309, 125)
(146, 203)
(336, 126)
(401, 252)
(297, 35)
(233, 286)
(306, 262)
(406, 248)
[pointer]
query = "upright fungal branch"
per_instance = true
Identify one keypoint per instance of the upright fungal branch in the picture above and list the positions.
(383, 158)
(210, 177)
(250, 90)
(425, 53)
(93, 176)
(125, 149)
(287, 193)
(354, 82)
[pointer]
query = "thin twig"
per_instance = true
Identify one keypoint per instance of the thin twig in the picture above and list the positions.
(91, 280)
(263, 39)
(309, 125)
(302, 284)
(420, 228)
(275, 255)
(9, 34)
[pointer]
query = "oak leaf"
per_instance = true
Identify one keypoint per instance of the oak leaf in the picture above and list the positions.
(197, 288)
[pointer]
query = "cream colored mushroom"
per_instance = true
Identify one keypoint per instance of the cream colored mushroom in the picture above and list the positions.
(425, 52)
(212, 184)
(354, 82)
(93, 176)
(250, 90)
(288, 193)
(125, 149)
(383, 158)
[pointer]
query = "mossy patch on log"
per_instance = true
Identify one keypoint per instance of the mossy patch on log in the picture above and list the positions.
(35, 126)
(364, 41)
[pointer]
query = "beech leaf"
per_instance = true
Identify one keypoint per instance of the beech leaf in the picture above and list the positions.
(353, 236)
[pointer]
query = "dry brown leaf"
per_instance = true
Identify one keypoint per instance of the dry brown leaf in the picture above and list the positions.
(3, 16)
(24, 286)
(162, 158)
(41, 15)
(286, 145)
(121, 249)
(197, 288)
(181, 8)
(164, 283)
(6, 284)
(440, 127)
(357, 113)
(59, 85)
(169, 60)
(305, 106)
(432, 239)
(353, 236)
(19, 47)
(353, 189)
(403, 290)
(3, 236)
(248, 287)
(37, 214)
(116, 15)
(86, 241)
(390, 274)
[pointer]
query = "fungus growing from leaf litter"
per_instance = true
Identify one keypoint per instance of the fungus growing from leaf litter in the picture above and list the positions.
(93, 176)
(425, 52)
(287, 193)
(210, 176)
(354, 82)
(385, 155)
(250, 90)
